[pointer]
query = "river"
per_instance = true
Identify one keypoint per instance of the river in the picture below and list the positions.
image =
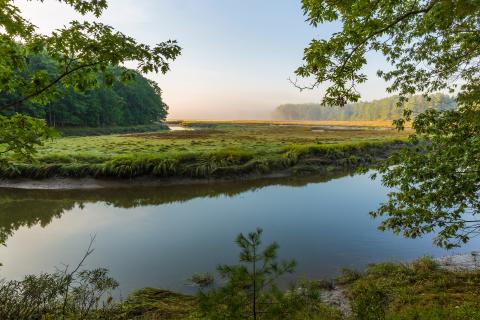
(159, 237)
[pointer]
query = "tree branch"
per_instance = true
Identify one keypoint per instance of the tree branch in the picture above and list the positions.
(51, 84)
(390, 25)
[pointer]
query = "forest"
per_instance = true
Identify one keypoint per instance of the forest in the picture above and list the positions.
(130, 103)
(383, 109)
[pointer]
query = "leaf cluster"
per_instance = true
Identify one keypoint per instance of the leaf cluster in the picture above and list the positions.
(249, 290)
(20, 135)
(431, 45)
(437, 179)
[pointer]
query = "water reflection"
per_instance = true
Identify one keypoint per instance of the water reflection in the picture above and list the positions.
(20, 207)
(160, 236)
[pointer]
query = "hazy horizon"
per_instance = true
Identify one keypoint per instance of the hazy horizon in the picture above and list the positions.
(236, 56)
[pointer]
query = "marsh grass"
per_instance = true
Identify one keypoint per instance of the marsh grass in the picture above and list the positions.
(214, 152)
(418, 290)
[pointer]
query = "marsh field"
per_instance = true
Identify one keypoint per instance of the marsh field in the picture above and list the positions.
(158, 237)
(213, 149)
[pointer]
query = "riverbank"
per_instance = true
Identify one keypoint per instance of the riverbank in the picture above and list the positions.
(337, 296)
(194, 168)
(222, 152)
(424, 289)
(59, 183)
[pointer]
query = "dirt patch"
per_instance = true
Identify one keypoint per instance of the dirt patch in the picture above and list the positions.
(186, 134)
(466, 261)
(337, 298)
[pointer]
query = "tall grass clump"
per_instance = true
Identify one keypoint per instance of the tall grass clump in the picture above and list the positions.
(417, 290)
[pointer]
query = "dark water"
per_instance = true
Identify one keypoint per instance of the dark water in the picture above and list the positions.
(160, 236)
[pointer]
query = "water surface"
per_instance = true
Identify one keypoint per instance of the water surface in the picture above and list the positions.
(159, 237)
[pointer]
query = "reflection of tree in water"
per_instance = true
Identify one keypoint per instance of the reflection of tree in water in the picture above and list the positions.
(19, 208)
(15, 213)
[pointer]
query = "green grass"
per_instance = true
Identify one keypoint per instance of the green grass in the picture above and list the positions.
(391, 291)
(219, 151)
(420, 290)
(149, 303)
(152, 303)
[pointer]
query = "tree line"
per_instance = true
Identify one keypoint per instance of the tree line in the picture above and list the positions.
(137, 101)
(383, 109)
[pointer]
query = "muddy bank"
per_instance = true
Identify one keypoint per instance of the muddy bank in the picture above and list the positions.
(58, 183)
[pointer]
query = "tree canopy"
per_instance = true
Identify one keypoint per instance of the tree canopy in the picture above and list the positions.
(431, 45)
(82, 52)
(383, 109)
(135, 102)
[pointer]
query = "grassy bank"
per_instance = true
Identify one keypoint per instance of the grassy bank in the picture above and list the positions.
(419, 290)
(392, 291)
(152, 303)
(220, 151)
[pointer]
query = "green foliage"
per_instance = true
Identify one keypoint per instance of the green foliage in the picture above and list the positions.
(419, 290)
(135, 102)
(81, 51)
(150, 303)
(210, 164)
(369, 303)
(432, 46)
(383, 109)
(206, 153)
(20, 135)
(249, 289)
(428, 43)
(438, 179)
(347, 276)
(202, 279)
(60, 295)
(81, 55)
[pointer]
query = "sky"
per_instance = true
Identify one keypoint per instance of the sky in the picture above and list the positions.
(237, 55)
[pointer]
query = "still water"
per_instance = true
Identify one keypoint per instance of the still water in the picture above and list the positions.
(160, 236)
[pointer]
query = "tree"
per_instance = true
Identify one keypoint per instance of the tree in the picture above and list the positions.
(123, 103)
(432, 45)
(82, 53)
(250, 290)
(383, 109)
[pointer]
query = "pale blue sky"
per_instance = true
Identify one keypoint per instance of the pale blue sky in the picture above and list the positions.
(237, 55)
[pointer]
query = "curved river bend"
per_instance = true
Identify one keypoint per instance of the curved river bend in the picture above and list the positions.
(159, 237)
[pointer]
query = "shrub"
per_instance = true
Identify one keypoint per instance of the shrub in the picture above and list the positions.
(369, 303)
(250, 290)
(347, 276)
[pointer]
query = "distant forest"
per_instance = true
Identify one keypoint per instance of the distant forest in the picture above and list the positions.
(383, 109)
(135, 102)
